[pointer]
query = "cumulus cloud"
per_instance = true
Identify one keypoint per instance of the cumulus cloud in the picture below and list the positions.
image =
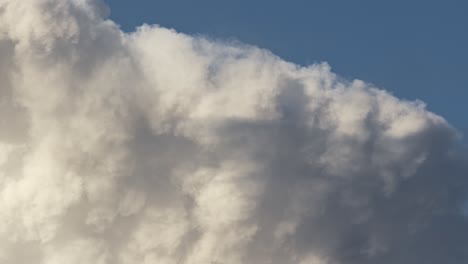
(159, 147)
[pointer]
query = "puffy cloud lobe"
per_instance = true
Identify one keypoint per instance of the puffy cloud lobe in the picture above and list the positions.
(159, 147)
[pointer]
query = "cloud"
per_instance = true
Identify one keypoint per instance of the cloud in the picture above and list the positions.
(160, 147)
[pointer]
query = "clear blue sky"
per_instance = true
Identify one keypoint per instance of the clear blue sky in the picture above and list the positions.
(415, 49)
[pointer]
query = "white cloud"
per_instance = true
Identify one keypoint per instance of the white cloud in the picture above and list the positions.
(160, 147)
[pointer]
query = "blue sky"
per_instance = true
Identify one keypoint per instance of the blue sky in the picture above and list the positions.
(415, 49)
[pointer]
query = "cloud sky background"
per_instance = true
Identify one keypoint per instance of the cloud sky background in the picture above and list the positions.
(415, 49)
(160, 147)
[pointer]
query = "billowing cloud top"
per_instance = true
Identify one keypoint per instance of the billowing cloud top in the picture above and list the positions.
(159, 147)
